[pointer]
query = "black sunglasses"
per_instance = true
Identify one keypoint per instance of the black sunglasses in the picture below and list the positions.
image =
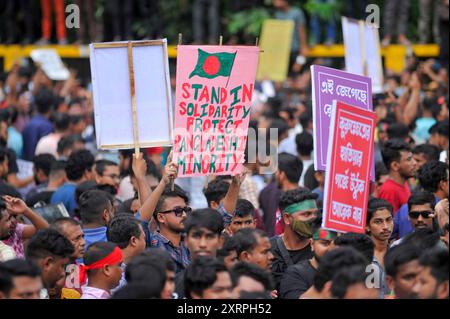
(425, 214)
(178, 211)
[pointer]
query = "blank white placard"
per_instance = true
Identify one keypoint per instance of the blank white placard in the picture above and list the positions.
(112, 94)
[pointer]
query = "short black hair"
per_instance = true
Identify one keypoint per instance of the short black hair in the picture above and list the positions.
(61, 121)
(247, 239)
(44, 163)
(143, 266)
(44, 100)
(423, 238)
(57, 167)
(438, 261)
(421, 198)
(168, 193)
(431, 152)
(398, 256)
(334, 261)
(391, 151)
(380, 170)
(216, 191)
(92, 205)
(440, 128)
(397, 130)
(291, 166)
(22, 267)
(305, 143)
(229, 244)
(97, 251)
(347, 277)
(6, 281)
(374, 204)
(160, 256)
(360, 242)
(150, 289)
(295, 196)
(77, 163)
(244, 208)
(207, 218)
(242, 269)
(201, 274)
(431, 174)
(121, 228)
(48, 242)
(101, 165)
(68, 141)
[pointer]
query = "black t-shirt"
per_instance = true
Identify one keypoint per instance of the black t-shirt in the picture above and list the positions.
(297, 280)
(279, 264)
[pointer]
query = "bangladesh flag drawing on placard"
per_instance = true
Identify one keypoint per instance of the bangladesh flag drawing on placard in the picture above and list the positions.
(212, 65)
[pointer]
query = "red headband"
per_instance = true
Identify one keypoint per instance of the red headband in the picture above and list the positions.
(115, 257)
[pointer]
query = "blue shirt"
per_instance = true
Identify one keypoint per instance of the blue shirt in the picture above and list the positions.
(66, 195)
(38, 127)
(180, 255)
(94, 235)
(402, 225)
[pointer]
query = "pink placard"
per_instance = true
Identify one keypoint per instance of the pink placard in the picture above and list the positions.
(214, 89)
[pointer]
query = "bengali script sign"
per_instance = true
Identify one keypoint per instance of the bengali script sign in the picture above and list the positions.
(350, 155)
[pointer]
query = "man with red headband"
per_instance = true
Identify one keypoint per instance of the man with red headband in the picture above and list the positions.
(103, 262)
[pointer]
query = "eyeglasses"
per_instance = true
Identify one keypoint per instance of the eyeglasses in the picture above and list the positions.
(425, 214)
(178, 211)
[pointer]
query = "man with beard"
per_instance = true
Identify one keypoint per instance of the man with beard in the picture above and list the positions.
(421, 212)
(51, 251)
(402, 270)
(299, 277)
(170, 214)
(379, 226)
(299, 210)
(399, 161)
(433, 280)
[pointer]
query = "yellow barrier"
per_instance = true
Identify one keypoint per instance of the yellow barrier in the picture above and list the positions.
(394, 54)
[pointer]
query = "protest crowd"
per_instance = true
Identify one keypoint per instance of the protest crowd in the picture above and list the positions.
(77, 221)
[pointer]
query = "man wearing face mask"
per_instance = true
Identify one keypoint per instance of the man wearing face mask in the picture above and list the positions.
(299, 210)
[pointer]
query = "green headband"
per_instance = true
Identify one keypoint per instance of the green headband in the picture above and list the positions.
(324, 234)
(298, 207)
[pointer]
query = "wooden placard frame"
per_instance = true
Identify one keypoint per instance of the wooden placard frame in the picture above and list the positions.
(137, 143)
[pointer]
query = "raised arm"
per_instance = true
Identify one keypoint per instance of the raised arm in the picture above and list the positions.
(149, 206)
(16, 206)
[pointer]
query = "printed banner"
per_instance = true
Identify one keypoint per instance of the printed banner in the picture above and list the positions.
(328, 85)
(347, 182)
(212, 108)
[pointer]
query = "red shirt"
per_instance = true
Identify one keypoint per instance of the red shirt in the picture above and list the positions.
(395, 194)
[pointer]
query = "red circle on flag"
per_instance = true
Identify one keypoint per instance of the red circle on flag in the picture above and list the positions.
(211, 65)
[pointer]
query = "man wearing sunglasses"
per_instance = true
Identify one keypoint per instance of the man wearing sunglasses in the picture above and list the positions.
(421, 211)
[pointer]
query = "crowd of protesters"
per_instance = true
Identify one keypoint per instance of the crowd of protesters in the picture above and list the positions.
(125, 232)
